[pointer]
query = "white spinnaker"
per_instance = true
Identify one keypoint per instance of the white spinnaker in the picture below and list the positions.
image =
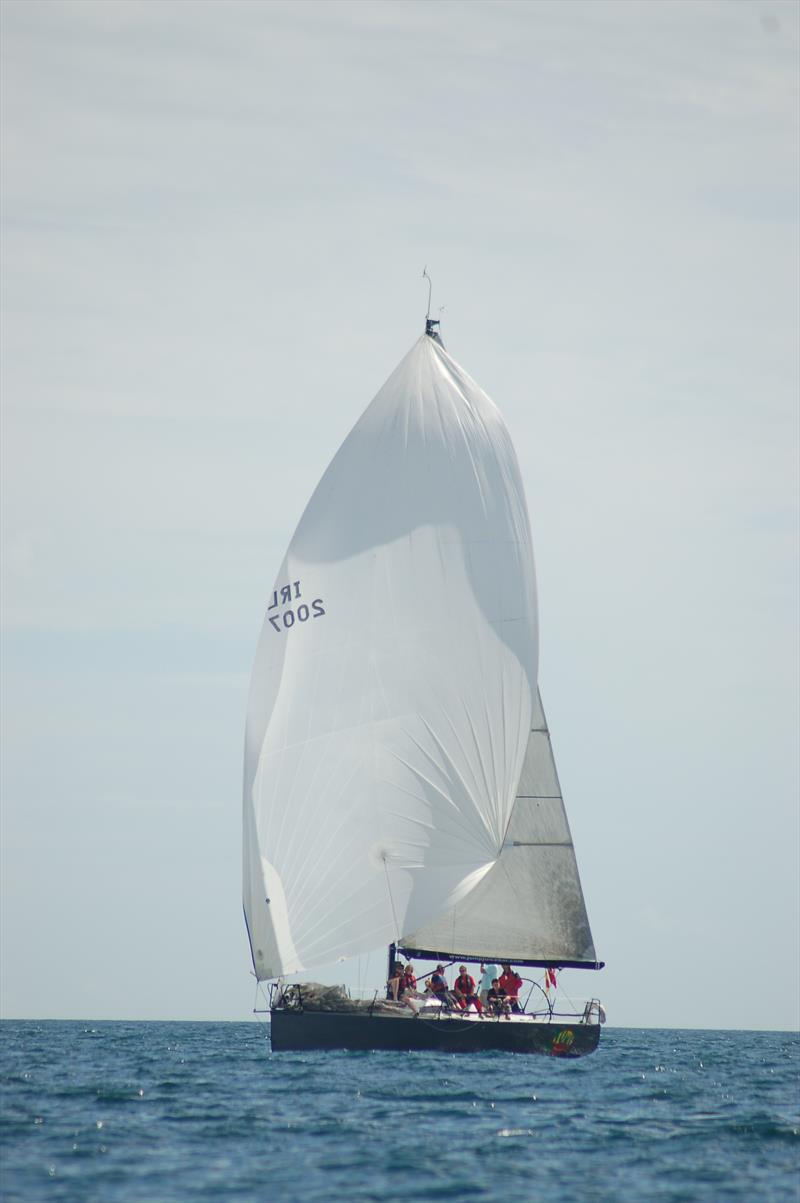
(395, 678)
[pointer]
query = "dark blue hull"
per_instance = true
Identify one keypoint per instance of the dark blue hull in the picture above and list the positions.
(300, 1030)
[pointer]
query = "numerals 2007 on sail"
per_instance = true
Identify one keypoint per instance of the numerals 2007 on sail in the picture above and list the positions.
(285, 597)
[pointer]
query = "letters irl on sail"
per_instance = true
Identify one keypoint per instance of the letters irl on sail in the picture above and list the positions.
(399, 782)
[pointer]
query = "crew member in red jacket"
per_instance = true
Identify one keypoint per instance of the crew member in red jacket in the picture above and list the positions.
(511, 982)
(464, 990)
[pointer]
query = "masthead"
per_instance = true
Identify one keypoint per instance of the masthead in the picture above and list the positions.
(431, 323)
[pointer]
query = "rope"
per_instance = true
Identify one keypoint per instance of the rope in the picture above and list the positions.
(571, 1001)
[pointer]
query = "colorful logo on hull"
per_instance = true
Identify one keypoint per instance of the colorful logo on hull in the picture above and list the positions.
(562, 1043)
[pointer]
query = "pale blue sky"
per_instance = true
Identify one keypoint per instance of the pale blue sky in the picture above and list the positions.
(215, 221)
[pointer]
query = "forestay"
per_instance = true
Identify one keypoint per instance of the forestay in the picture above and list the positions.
(394, 683)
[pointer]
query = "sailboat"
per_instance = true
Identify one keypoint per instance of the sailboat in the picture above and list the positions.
(399, 781)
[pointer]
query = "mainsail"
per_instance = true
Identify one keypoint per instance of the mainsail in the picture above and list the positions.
(394, 686)
(529, 907)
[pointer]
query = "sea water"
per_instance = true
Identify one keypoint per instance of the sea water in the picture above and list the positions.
(204, 1111)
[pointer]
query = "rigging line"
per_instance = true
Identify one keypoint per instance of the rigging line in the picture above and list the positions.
(570, 1001)
(391, 901)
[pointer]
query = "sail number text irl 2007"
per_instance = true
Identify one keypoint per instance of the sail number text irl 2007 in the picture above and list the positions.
(285, 597)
